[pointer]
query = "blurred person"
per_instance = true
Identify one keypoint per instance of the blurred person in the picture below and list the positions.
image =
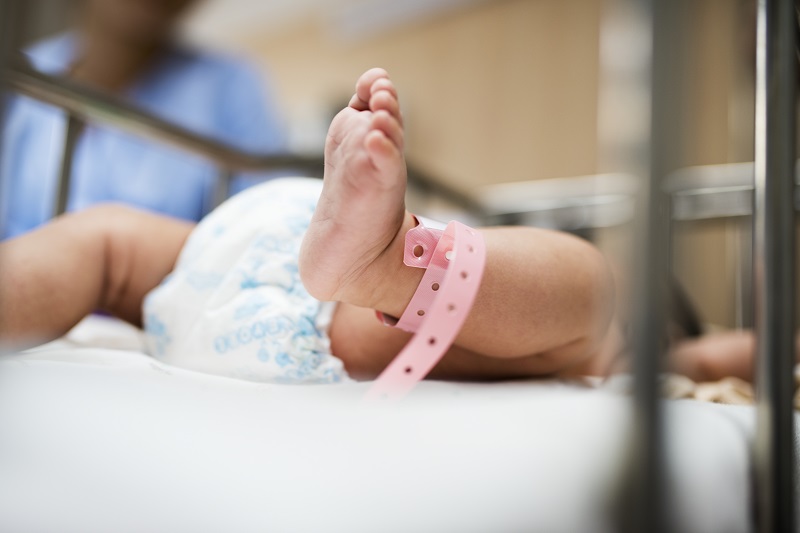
(128, 48)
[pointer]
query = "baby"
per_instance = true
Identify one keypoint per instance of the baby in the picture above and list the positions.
(248, 292)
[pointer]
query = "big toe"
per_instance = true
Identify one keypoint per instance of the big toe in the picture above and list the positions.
(364, 85)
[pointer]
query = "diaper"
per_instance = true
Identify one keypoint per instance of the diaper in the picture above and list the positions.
(235, 305)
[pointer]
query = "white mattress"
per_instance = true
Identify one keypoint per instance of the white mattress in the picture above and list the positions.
(96, 439)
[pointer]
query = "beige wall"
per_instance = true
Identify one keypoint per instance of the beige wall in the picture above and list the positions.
(719, 129)
(502, 91)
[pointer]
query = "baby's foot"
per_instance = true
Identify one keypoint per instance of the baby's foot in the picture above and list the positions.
(361, 209)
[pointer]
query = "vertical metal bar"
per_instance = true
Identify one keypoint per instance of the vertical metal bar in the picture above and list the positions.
(9, 13)
(223, 188)
(641, 54)
(773, 259)
(73, 131)
(744, 274)
(646, 507)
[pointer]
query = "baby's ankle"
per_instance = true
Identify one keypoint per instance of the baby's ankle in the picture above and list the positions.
(388, 284)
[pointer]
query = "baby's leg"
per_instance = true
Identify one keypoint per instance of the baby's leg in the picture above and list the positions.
(366, 347)
(104, 258)
(546, 297)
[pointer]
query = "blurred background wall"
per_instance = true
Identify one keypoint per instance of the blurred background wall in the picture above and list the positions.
(493, 90)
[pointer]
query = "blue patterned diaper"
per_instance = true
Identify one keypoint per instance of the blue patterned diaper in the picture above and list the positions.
(235, 305)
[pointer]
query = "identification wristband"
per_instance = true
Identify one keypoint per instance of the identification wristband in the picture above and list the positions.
(454, 261)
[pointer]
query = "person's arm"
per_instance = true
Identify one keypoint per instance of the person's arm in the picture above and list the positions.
(104, 258)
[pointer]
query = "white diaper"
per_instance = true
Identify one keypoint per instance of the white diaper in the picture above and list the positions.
(235, 305)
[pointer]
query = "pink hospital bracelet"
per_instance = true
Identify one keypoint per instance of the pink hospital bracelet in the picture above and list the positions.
(420, 244)
(440, 305)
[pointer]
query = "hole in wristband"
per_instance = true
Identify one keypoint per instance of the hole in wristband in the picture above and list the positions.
(451, 308)
(432, 341)
(421, 312)
(470, 249)
(408, 370)
(448, 255)
(418, 251)
(435, 287)
(464, 274)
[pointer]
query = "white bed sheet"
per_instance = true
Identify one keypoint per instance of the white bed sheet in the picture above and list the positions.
(95, 439)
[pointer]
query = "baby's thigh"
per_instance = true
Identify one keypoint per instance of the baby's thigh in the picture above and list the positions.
(366, 347)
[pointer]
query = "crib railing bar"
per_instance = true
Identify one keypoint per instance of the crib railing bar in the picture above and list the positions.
(6, 45)
(223, 186)
(712, 202)
(745, 317)
(643, 500)
(7, 14)
(716, 191)
(101, 108)
(774, 262)
(649, 504)
(71, 134)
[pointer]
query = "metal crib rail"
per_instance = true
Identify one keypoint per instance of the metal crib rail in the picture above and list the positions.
(773, 260)
(96, 106)
(653, 157)
(774, 263)
(83, 104)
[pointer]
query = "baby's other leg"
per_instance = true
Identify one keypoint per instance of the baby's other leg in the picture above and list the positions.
(104, 258)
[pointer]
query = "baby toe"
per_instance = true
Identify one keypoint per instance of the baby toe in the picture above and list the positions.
(389, 126)
(385, 101)
(383, 84)
(366, 81)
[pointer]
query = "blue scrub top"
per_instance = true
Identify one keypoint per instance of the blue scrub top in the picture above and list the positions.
(209, 94)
